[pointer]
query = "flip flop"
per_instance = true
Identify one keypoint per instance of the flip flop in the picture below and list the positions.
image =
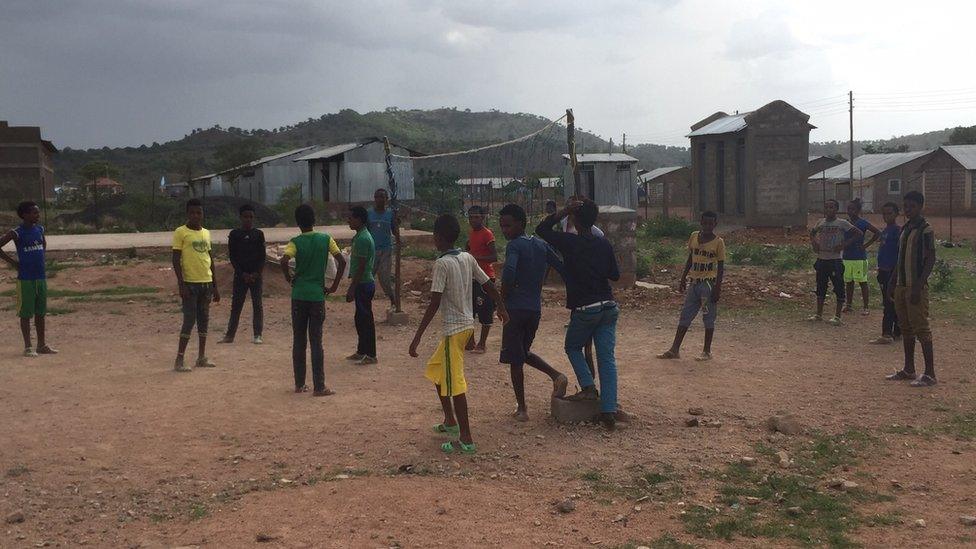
(440, 428)
(449, 447)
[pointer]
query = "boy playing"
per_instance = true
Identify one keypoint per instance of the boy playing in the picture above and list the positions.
(245, 246)
(910, 290)
(887, 260)
(383, 228)
(310, 250)
(706, 267)
(527, 260)
(362, 287)
(828, 239)
(196, 280)
(589, 266)
(856, 257)
(451, 286)
(481, 245)
(29, 240)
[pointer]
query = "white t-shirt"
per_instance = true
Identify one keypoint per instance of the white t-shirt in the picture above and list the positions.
(571, 229)
(451, 277)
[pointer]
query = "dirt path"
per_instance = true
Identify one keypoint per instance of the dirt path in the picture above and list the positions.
(104, 445)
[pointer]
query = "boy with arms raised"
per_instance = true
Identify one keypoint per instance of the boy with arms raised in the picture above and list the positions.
(30, 243)
(856, 256)
(828, 240)
(362, 287)
(589, 266)
(909, 289)
(887, 260)
(527, 259)
(450, 291)
(310, 250)
(196, 280)
(706, 267)
(481, 245)
(245, 246)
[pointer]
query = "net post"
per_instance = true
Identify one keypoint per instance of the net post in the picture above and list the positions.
(571, 142)
(395, 206)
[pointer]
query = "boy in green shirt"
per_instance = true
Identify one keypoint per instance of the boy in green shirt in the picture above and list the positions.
(195, 277)
(310, 250)
(362, 286)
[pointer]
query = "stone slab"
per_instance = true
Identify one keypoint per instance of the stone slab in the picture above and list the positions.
(572, 411)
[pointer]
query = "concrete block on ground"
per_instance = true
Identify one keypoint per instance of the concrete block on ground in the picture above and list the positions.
(394, 318)
(575, 411)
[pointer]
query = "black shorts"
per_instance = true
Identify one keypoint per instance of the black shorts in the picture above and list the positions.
(518, 335)
(484, 307)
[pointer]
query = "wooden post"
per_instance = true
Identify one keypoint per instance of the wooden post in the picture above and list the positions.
(571, 142)
(950, 199)
(850, 108)
(665, 198)
(395, 206)
(647, 200)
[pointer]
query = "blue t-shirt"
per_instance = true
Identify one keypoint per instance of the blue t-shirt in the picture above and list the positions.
(526, 262)
(30, 252)
(888, 249)
(381, 228)
(856, 250)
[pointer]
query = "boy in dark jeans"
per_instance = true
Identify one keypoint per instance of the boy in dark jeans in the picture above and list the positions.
(527, 260)
(589, 266)
(481, 245)
(245, 246)
(196, 280)
(310, 250)
(362, 286)
(887, 259)
(29, 240)
(828, 242)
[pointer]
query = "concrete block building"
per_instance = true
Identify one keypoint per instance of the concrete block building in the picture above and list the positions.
(947, 178)
(667, 187)
(878, 178)
(26, 165)
(751, 167)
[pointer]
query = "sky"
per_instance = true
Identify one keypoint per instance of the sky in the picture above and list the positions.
(96, 73)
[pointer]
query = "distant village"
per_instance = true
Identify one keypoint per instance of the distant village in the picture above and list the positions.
(752, 167)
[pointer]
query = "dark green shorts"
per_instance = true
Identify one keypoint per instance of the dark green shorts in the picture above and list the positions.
(31, 298)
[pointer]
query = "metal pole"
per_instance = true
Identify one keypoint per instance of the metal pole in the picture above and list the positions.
(395, 206)
(647, 200)
(850, 109)
(571, 142)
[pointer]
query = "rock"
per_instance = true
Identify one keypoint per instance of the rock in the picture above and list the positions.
(651, 286)
(795, 511)
(261, 537)
(538, 522)
(15, 518)
(566, 506)
(619, 518)
(968, 520)
(848, 485)
(575, 411)
(920, 523)
(692, 422)
(782, 458)
(696, 411)
(786, 424)
(747, 461)
(752, 500)
(713, 423)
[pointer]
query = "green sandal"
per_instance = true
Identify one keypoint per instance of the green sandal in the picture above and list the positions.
(449, 447)
(453, 430)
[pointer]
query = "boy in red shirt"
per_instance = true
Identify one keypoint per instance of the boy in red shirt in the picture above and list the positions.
(481, 244)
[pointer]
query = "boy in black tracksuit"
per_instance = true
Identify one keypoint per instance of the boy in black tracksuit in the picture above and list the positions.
(245, 245)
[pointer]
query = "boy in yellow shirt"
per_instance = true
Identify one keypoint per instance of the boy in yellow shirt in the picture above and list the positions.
(706, 268)
(196, 281)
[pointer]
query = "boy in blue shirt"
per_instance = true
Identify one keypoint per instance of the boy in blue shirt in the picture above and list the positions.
(887, 260)
(383, 228)
(855, 255)
(527, 259)
(29, 239)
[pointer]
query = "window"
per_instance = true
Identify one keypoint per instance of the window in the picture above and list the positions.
(894, 186)
(623, 166)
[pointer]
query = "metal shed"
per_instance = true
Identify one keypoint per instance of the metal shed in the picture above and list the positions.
(351, 172)
(609, 179)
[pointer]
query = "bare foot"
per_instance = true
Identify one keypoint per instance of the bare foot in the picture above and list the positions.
(669, 354)
(559, 386)
(479, 350)
(521, 415)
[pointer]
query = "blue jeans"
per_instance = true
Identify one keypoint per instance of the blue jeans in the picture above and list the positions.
(600, 324)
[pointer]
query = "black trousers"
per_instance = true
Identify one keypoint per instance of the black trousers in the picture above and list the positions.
(307, 318)
(365, 323)
(830, 270)
(889, 321)
(241, 289)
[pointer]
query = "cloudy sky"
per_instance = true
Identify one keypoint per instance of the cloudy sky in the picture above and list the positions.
(128, 72)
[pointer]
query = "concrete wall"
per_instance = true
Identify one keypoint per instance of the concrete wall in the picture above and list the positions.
(26, 165)
(620, 226)
(936, 190)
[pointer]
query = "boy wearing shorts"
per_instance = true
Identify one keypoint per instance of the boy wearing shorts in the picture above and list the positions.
(706, 267)
(28, 237)
(856, 256)
(453, 276)
(828, 240)
(193, 265)
(527, 260)
(481, 245)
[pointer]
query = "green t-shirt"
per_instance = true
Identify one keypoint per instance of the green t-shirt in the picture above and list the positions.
(363, 251)
(311, 253)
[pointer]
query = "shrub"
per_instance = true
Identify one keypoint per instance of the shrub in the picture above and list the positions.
(672, 227)
(944, 277)
(749, 253)
(643, 266)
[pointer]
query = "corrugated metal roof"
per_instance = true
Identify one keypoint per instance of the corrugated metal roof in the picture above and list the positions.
(657, 172)
(964, 154)
(279, 156)
(728, 124)
(329, 152)
(603, 157)
(869, 165)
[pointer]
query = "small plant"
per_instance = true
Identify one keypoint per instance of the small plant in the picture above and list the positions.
(671, 227)
(643, 266)
(663, 255)
(944, 277)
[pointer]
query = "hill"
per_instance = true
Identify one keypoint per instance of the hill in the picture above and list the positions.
(912, 142)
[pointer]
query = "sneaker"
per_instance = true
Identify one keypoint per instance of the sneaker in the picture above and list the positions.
(179, 366)
(882, 340)
(355, 356)
(204, 362)
(225, 339)
(46, 350)
(923, 381)
(367, 360)
(608, 420)
(323, 393)
(900, 375)
(622, 416)
(258, 340)
(815, 318)
(835, 321)
(586, 394)
(30, 352)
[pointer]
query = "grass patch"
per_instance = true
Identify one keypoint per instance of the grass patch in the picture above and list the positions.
(664, 541)
(17, 471)
(198, 511)
(661, 484)
(962, 426)
(672, 227)
(146, 298)
(56, 311)
(420, 252)
(781, 258)
(118, 290)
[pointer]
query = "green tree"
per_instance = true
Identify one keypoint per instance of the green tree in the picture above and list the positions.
(963, 136)
(438, 191)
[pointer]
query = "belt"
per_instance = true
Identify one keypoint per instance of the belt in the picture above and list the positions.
(595, 305)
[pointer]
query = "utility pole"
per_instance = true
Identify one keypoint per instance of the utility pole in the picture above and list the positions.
(623, 146)
(850, 111)
(571, 143)
(610, 150)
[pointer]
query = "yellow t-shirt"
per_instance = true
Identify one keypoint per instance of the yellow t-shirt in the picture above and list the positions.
(291, 250)
(194, 248)
(705, 257)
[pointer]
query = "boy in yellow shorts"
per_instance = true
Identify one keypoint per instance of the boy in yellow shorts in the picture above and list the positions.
(856, 256)
(451, 288)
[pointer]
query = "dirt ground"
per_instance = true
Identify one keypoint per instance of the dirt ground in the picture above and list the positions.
(104, 445)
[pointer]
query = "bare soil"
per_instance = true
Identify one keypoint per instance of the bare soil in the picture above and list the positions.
(104, 445)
